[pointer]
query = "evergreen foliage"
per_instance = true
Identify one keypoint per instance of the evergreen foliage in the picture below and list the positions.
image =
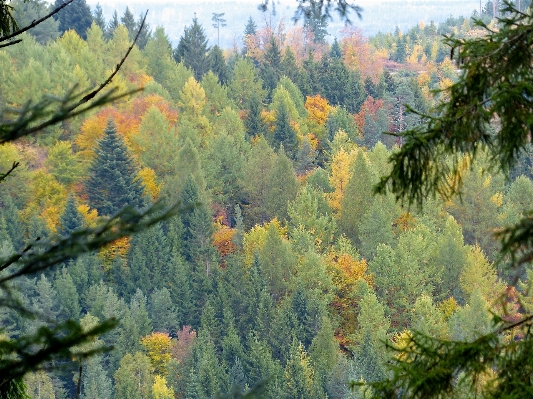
(76, 15)
(192, 50)
(113, 182)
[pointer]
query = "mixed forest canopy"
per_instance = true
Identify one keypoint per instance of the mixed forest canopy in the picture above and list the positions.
(283, 268)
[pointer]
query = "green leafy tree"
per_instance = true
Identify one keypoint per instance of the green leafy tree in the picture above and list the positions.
(133, 379)
(113, 181)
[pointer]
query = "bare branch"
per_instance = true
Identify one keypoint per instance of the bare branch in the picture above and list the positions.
(4, 175)
(66, 112)
(35, 23)
(10, 43)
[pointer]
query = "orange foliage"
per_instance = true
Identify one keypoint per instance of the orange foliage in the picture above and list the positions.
(405, 222)
(359, 55)
(222, 239)
(318, 109)
(346, 273)
(301, 42)
(370, 106)
(127, 120)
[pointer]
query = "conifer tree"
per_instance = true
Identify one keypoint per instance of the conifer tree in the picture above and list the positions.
(113, 181)
(67, 295)
(112, 25)
(192, 50)
(145, 34)
(284, 134)
(218, 64)
(71, 219)
(98, 17)
(316, 22)
(76, 16)
(128, 20)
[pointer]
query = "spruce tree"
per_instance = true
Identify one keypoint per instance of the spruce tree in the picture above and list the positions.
(128, 20)
(218, 64)
(71, 219)
(192, 50)
(113, 23)
(98, 17)
(113, 180)
(76, 16)
(284, 133)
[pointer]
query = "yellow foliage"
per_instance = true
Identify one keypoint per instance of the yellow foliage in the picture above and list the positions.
(157, 345)
(269, 119)
(318, 109)
(160, 390)
(340, 175)
(90, 215)
(119, 247)
(497, 199)
(448, 307)
(255, 238)
(192, 98)
(223, 240)
(403, 341)
(148, 178)
(50, 198)
(352, 270)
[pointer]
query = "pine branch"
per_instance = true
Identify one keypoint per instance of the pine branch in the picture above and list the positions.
(34, 23)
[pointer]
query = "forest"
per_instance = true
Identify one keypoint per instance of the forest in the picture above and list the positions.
(283, 268)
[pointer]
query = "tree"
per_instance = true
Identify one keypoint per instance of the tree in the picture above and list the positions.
(218, 64)
(218, 22)
(98, 17)
(113, 181)
(76, 16)
(429, 163)
(59, 340)
(316, 22)
(70, 219)
(192, 50)
(27, 12)
(128, 20)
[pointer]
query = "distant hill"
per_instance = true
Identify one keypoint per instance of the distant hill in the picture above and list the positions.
(377, 16)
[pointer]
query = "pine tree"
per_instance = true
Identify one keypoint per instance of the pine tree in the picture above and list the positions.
(112, 25)
(133, 380)
(249, 30)
(76, 16)
(113, 182)
(192, 50)
(198, 230)
(128, 20)
(316, 22)
(284, 134)
(163, 311)
(67, 295)
(98, 17)
(145, 35)
(71, 219)
(218, 64)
